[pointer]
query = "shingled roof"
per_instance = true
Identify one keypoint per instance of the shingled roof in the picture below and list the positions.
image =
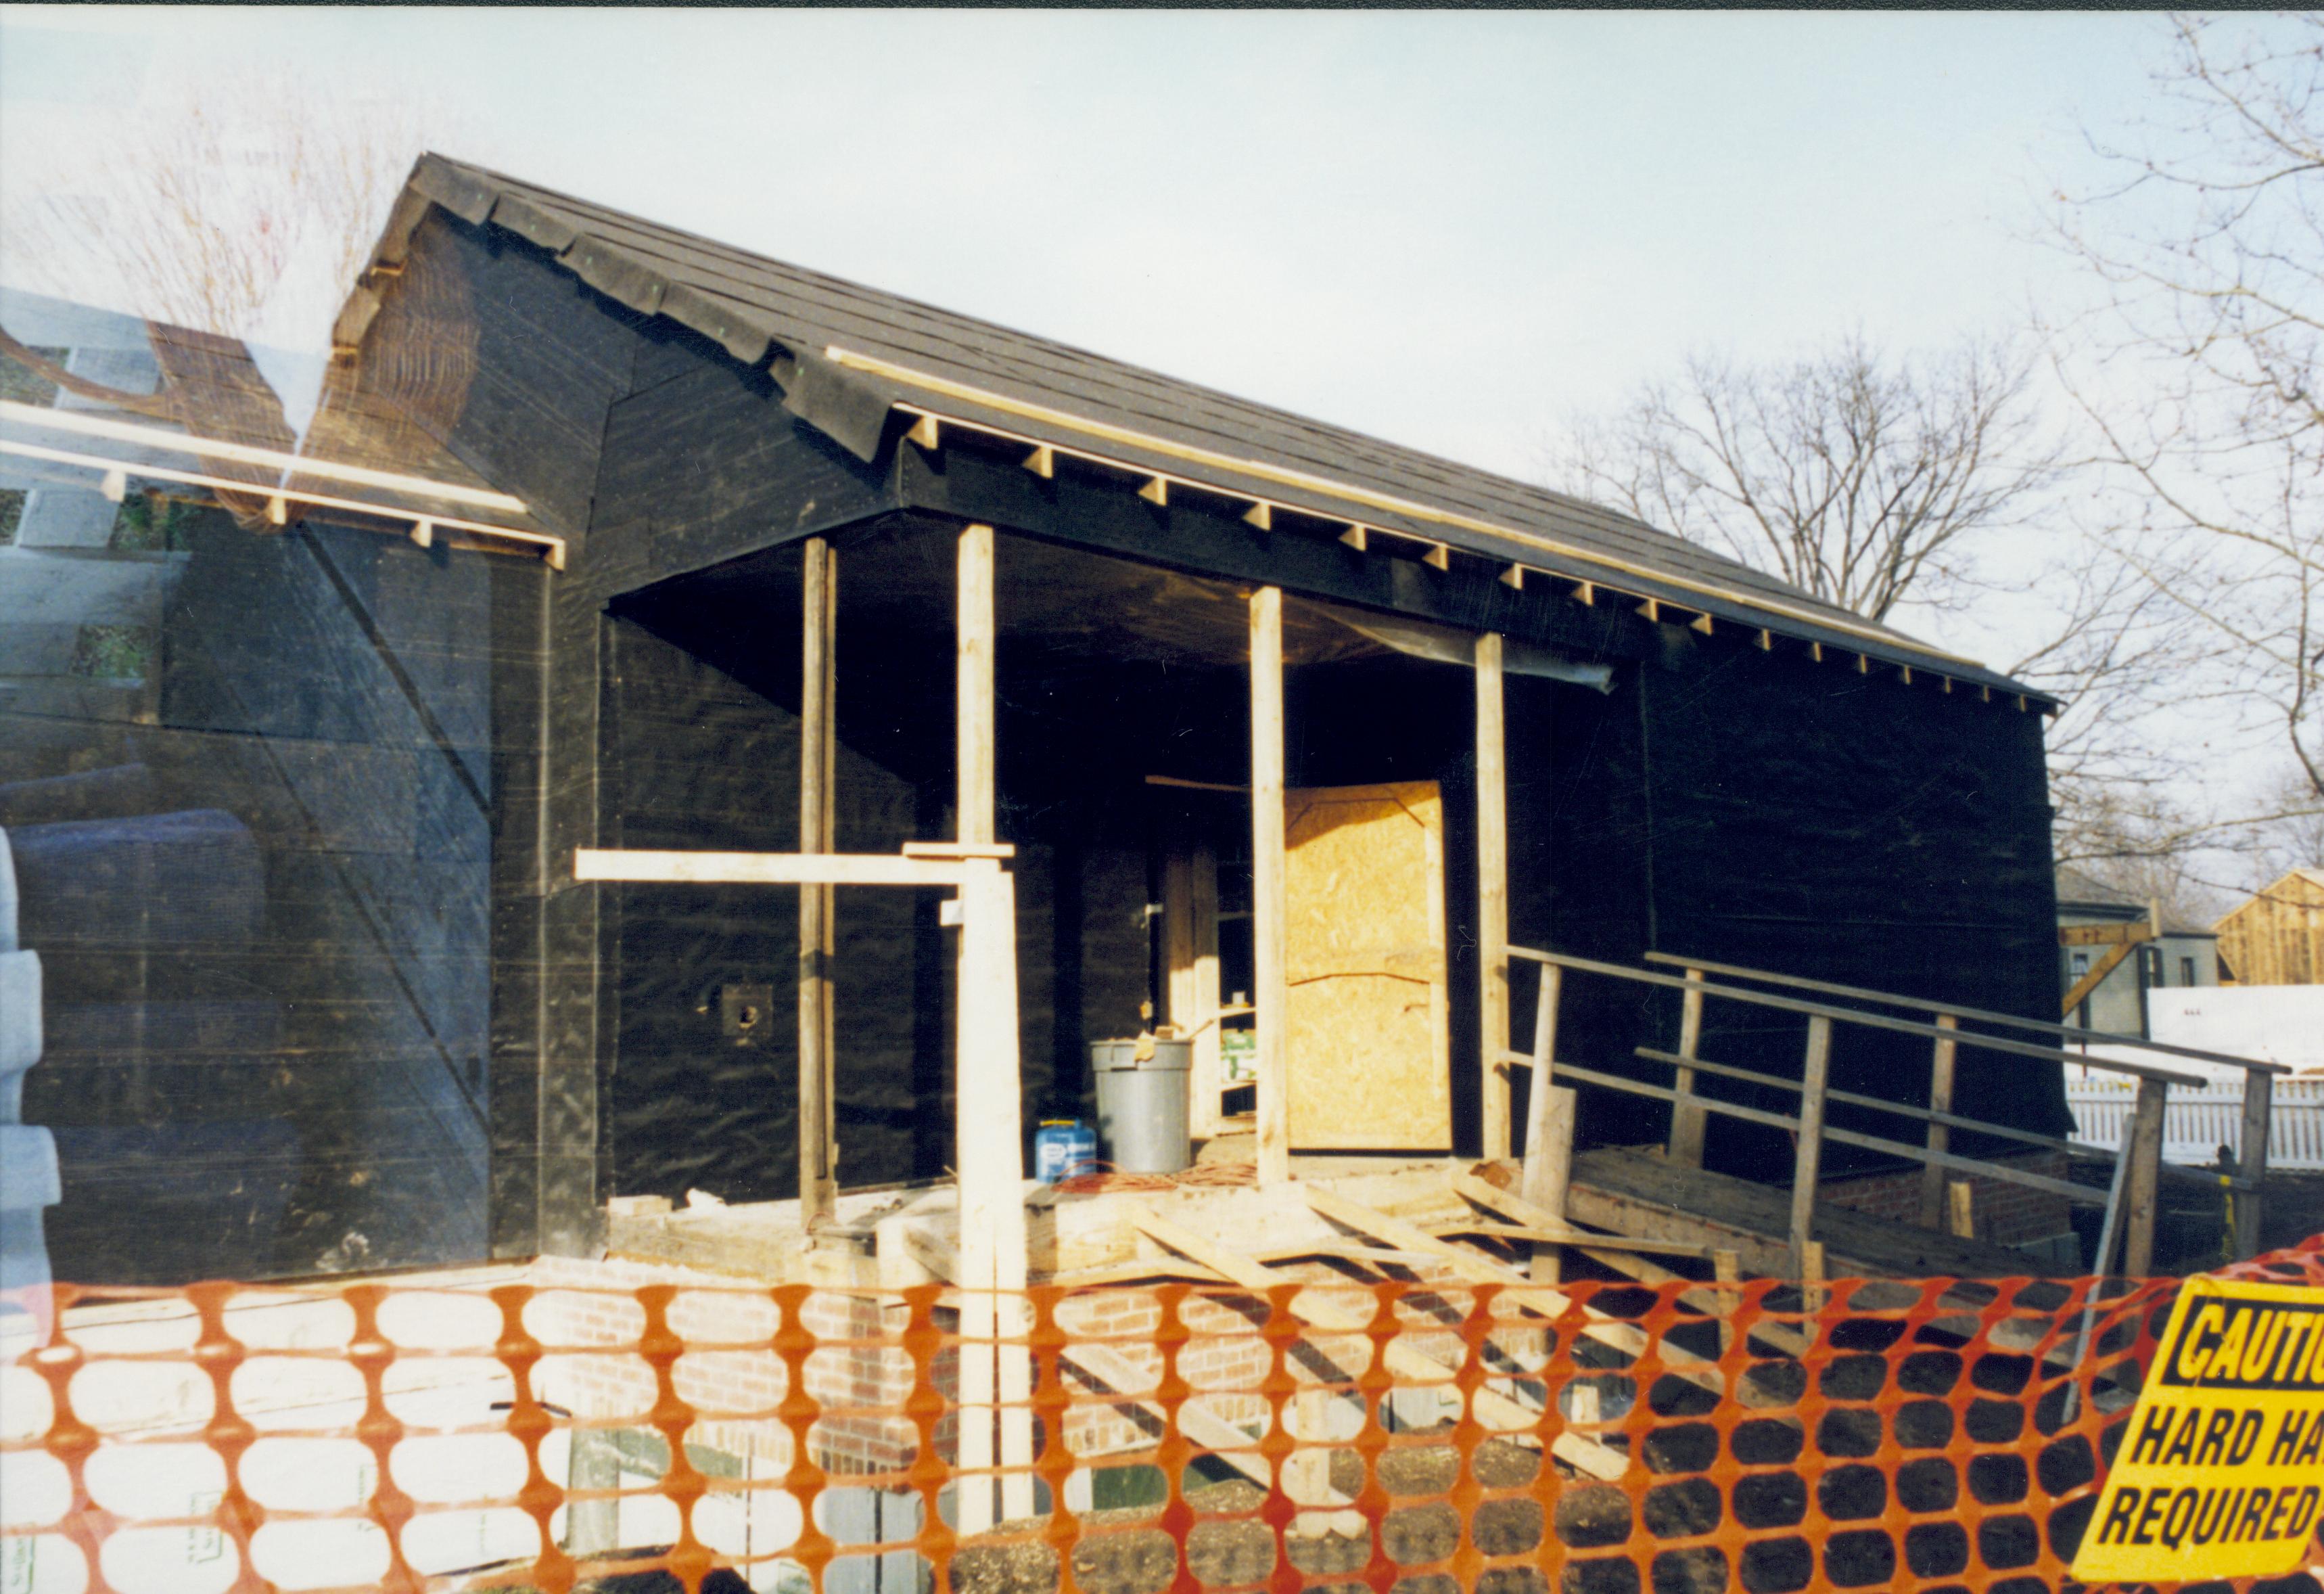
(848, 357)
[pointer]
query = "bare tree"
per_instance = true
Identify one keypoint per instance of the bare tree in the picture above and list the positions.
(198, 208)
(2199, 371)
(1857, 476)
(1879, 483)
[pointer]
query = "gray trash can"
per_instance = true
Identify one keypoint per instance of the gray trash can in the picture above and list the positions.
(1141, 1105)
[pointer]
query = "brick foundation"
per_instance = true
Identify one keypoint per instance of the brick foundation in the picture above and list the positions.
(2007, 1214)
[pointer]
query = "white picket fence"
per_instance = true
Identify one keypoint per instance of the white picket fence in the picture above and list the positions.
(2199, 1122)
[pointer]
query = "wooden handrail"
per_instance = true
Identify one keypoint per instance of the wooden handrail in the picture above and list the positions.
(2140, 1167)
(1978, 1015)
(1878, 1021)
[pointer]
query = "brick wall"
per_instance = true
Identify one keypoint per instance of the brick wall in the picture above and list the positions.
(2007, 1214)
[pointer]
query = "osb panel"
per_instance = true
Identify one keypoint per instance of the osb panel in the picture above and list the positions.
(1364, 927)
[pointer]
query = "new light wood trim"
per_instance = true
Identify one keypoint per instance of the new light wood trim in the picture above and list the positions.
(212, 447)
(762, 868)
(1492, 895)
(553, 547)
(1270, 983)
(1260, 470)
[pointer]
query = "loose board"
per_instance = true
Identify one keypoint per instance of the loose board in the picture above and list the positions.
(1369, 1044)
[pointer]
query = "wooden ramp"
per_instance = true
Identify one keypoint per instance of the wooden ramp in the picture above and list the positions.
(1635, 1192)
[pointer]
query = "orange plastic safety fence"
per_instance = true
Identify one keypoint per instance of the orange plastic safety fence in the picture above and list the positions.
(1415, 1437)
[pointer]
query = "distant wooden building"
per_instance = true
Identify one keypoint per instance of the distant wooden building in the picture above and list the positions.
(2277, 937)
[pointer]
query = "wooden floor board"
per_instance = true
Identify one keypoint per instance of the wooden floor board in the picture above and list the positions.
(1635, 1194)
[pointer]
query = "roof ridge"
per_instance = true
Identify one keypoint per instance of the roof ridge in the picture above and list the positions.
(817, 304)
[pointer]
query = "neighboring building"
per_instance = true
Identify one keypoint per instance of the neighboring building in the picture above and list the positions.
(2277, 937)
(2110, 935)
(308, 908)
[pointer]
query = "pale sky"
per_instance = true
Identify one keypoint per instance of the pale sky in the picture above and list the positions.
(1449, 229)
(1446, 228)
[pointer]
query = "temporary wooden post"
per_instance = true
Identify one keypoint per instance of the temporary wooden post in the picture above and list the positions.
(995, 1374)
(1270, 989)
(1940, 1134)
(1555, 1163)
(1550, 1110)
(2145, 1175)
(1687, 1115)
(818, 1174)
(989, 1113)
(2259, 1100)
(1815, 1080)
(972, 707)
(1540, 1146)
(1492, 898)
(987, 1146)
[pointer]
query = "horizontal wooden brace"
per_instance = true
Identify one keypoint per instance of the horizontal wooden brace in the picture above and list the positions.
(552, 547)
(770, 869)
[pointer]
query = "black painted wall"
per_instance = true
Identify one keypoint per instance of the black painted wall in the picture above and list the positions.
(1768, 811)
(264, 905)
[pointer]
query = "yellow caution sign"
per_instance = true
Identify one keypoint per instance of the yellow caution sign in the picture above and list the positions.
(2222, 1471)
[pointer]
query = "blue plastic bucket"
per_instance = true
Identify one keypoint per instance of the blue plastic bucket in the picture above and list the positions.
(1063, 1149)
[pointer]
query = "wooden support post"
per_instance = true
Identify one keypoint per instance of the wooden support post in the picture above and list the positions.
(995, 1378)
(1687, 1116)
(995, 1385)
(1492, 898)
(1270, 988)
(818, 1172)
(1555, 1164)
(1542, 1145)
(1940, 1134)
(2145, 1175)
(972, 709)
(2250, 1162)
(1190, 936)
(1815, 1080)
(1550, 1113)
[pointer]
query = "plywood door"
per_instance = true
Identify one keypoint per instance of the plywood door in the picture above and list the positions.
(1369, 1047)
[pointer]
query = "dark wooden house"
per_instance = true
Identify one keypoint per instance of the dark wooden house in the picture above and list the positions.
(789, 516)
